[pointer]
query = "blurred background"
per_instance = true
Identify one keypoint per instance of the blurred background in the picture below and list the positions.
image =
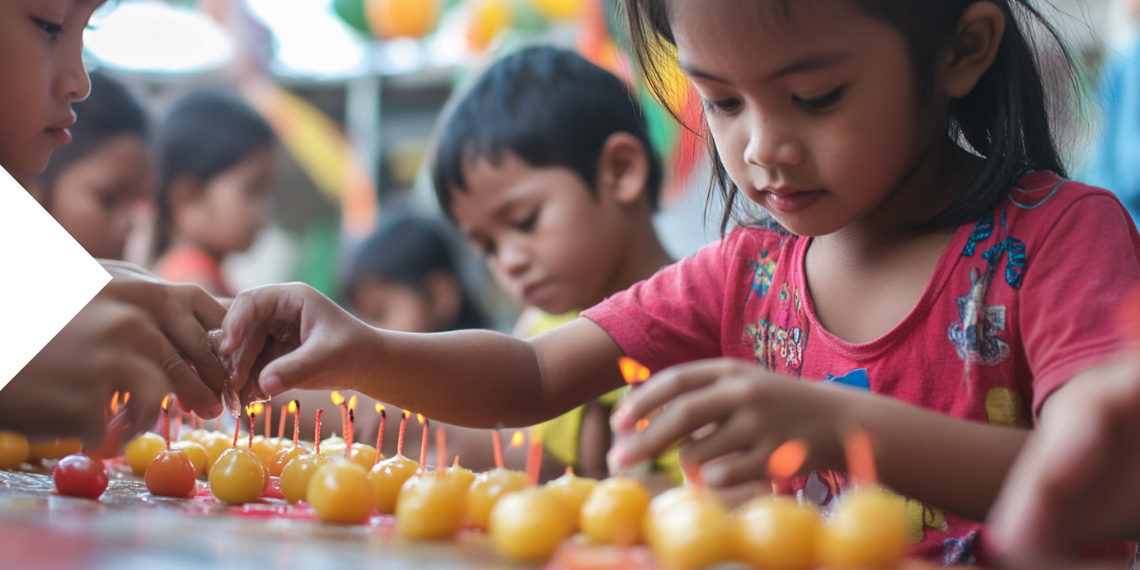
(353, 88)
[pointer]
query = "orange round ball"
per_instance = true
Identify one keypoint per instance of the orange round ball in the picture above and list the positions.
(14, 449)
(340, 493)
(171, 474)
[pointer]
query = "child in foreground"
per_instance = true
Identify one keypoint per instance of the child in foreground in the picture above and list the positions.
(135, 334)
(545, 164)
(216, 187)
(92, 185)
(934, 296)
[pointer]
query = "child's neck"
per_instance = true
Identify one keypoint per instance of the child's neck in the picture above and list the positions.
(642, 257)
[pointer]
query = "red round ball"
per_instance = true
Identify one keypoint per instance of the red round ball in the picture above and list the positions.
(171, 474)
(80, 476)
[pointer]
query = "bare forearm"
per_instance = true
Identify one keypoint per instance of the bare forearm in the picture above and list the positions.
(954, 464)
(484, 378)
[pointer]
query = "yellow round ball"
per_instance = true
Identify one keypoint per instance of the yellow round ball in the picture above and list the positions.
(613, 512)
(216, 444)
(238, 477)
(197, 454)
(142, 450)
(295, 477)
(264, 448)
(776, 533)
(430, 506)
(283, 457)
(462, 476)
(340, 493)
(60, 448)
(487, 489)
(690, 533)
(14, 449)
(528, 525)
(867, 530)
(387, 477)
(571, 491)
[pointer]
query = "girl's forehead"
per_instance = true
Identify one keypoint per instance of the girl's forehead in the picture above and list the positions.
(767, 39)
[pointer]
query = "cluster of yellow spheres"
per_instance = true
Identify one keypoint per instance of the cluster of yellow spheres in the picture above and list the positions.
(15, 449)
(686, 528)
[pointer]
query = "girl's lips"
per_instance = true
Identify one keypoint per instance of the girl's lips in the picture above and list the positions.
(61, 136)
(792, 202)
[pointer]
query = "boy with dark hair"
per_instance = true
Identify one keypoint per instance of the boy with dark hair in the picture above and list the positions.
(545, 164)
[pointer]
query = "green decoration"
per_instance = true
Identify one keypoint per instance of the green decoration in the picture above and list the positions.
(352, 13)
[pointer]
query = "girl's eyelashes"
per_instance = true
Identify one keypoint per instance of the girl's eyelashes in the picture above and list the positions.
(50, 28)
(819, 104)
(527, 224)
(721, 106)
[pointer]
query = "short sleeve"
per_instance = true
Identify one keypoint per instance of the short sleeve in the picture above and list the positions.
(1073, 285)
(674, 316)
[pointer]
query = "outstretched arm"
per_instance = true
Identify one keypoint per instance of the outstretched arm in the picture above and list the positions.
(291, 336)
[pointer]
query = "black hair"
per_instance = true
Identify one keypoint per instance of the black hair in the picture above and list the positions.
(111, 110)
(406, 250)
(202, 135)
(1005, 119)
(549, 106)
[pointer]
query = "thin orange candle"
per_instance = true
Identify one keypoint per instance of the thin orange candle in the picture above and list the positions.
(252, 417)
(403, 427)
(281, 422)
(317, 434)
(166, 419)
(440, 449)
(424, 443)
(860, 459)
(787, 459)
(348, 434)
(380, 433)
(268, 421)
(496, 441)
(338, 401)
(295, 407)
(534, 456)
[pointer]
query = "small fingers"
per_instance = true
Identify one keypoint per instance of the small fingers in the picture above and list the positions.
(667, 386)
(684, 414)
(752, 465)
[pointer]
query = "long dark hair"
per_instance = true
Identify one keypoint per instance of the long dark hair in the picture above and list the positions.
(1005, 119)
(203, 135)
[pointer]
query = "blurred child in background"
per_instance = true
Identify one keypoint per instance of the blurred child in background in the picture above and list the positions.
(92, 185)
(216, 187)
(546, 166)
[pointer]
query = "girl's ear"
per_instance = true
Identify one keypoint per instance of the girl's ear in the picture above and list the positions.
(445, 298)
(623, 168)
(975, 45)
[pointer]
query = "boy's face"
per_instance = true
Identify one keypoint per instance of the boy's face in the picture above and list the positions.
(549, 241)
(41, 69)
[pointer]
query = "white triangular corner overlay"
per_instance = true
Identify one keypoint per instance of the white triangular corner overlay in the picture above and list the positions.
(45, 277)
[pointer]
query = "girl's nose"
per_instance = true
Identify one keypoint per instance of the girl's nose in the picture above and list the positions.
(513, 258)
(770, 146)
(71, 81)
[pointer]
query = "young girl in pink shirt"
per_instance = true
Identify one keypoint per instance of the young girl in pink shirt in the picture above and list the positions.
(923, 272)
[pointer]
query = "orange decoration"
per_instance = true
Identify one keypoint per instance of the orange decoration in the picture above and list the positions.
(787, 459)
(390, 19)
(497, 444)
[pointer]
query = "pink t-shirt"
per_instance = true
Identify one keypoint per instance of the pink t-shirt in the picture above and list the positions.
(1019, 303)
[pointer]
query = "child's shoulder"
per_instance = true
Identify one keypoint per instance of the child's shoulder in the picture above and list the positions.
(1042, 203)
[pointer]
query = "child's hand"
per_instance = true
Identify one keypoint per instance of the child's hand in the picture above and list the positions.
(752, 412)
(291, 336)
(1075, 480)
(63, 392)
(184, 313)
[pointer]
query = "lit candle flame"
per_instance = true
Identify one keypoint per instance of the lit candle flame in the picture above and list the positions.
(407, 414)
(787, 459)
(379, 407)
(517, 438)
(165, 402)
(115, 403)
(352, 402)
(258, 408)
(337, 399)
(420, 417)
(632, 371)
(293, 407)
(126, 398)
